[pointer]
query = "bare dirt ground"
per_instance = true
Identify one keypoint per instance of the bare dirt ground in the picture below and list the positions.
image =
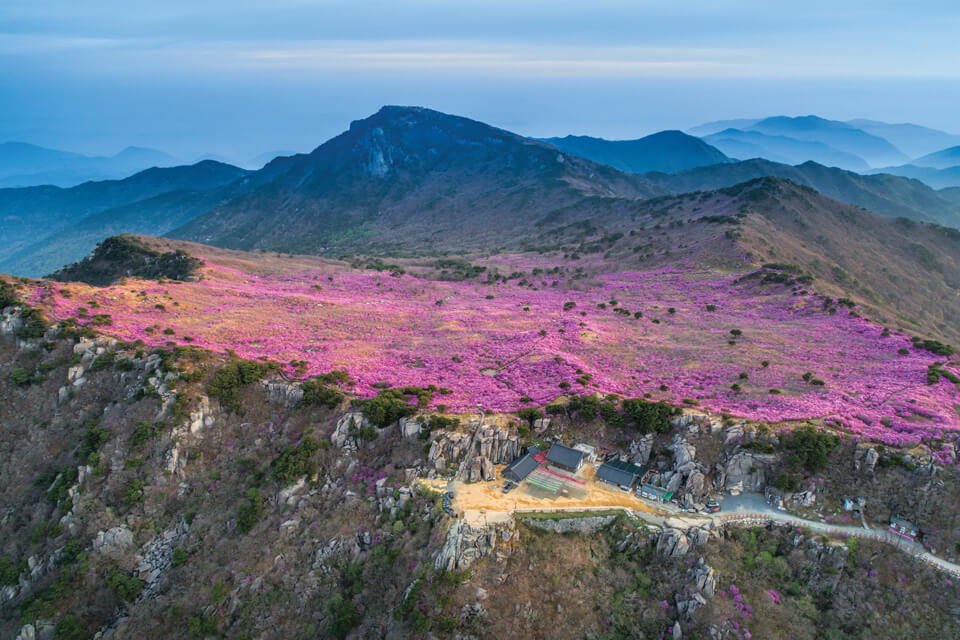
(485, 502)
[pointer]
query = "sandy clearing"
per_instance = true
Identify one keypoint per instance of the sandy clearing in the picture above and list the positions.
(485, 502)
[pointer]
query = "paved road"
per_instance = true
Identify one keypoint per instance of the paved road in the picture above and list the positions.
(751, 504)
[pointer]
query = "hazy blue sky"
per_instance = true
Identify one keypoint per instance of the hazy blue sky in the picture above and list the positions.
(241, 77)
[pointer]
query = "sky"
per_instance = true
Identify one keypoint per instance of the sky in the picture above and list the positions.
(239, 78)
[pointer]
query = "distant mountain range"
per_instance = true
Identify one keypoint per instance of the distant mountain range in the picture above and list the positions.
(665, 151)
(42, 228)
(23, 164)
(753, 144)
(857, 145)
(411, 180)
(886, 194)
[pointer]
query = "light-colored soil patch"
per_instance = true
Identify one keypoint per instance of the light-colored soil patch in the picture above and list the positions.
(485, 501)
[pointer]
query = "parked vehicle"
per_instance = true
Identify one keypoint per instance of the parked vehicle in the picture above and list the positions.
(508, 487)
(713, 506)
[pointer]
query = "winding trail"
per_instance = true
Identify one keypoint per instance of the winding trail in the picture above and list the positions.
(751, 506)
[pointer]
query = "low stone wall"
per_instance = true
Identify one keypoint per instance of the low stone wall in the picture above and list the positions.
(585, 524)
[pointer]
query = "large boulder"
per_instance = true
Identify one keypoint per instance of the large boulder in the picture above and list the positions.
(282, 392)
(343, 434)
(113, 543)
(684, 454)
(672, 542)
(465, 544)
(409, 428)
(694, 486)
(641, 449)
(746, 471)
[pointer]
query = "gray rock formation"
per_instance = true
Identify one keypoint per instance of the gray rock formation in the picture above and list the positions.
(540, 425)
(695, 485)
(156, 557)
(746, 471)
(465, 544)
(343, 436)
(684, 454)
(865, 458)
(486, 446)
(672, 543)
(27, 632)
(701, 586)
(289, 394)
(409, 428)
(114, 542)
(566, 525)
(640, 449)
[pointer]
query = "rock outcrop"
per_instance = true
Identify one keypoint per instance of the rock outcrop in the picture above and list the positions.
(640, 449)
(746, 472)
(114, 542)
(700, 586)
(485, 446)
(865, 458)
(409, 428)
(465, 544)
(289, 394)
(156, 557)
(672, 543)
(344, 434)
(587, 524)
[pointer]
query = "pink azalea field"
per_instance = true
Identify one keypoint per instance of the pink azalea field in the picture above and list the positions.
(503, 346)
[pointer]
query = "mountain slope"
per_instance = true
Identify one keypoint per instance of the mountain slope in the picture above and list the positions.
(408, 177)
(152, 216)
(34, 214)
(904, 273)
(885, 194)
(708, 128)
(943, 159)
(839, 135)
(23, 164)
(753, 144)
(935, 178)
(913, 139)
(666, 151)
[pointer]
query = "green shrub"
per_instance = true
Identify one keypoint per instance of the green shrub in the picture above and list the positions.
(294, 462)
(33, 324)
(250, 512)
(93, 439)
(103, 361)
(229, 378)
(180, 556)
(389, 405)
(8, 295)
(760, 446)
(133, 493)
(71, 628)
(316, 392)
(202, 626)
(934, 346)
(142, 432)
(23, 377)
(811, 446)
(649, 416)
(531, 415)
(126, 588)
(9, 572)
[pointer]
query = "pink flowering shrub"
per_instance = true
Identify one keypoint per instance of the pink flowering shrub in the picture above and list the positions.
(492, 344)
